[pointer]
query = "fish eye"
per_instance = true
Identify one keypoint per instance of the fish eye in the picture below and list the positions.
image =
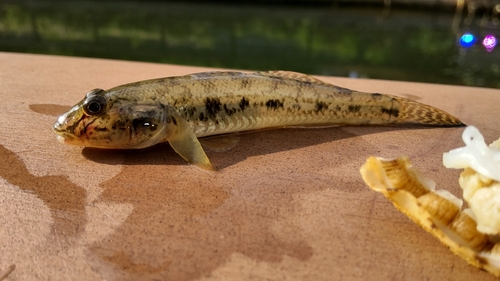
(94, 105)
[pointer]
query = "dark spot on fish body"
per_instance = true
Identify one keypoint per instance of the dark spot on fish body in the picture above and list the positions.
(376, 96)
(260, 104)
(338, 108)
(244, 103)
(391, 112)
(229, 111)
(99, 129)
(213, 106)
(275, 86)
(202, 117)
(226, 73)
(354, 108)
(208, 85)
(244, 83)
(279, 78)
(296, 107)
(307, 100)
(306, 86)
(173, 82)
(105, 117)
(320, 106)
(172, 120)
(120, 125)
(274, 104)
(343, 91)
(191, 110)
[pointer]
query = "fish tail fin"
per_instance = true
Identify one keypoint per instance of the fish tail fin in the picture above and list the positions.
(418, 113)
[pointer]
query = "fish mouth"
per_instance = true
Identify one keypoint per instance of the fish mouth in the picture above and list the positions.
(66, 138)
(61, 139)
(65, 126)
(57, 128)
(62, 134)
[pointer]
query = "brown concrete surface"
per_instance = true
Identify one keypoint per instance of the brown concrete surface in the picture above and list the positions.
(285, 204)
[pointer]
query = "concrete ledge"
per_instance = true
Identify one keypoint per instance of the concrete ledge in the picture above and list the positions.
(286, 204)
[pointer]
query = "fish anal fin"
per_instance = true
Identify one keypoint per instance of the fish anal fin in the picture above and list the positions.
(292, 75)
(221, 143)
(183, 140)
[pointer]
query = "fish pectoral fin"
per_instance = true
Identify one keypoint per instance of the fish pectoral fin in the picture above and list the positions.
(186, 144)
(220, 143)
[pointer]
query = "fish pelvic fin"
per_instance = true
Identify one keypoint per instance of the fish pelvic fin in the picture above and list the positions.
(183, 140)
(418, 113)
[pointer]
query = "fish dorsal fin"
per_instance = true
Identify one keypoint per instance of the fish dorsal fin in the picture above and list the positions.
(292, 75)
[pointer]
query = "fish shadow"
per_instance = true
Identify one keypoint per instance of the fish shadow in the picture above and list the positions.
(187, 221)
(254, 143)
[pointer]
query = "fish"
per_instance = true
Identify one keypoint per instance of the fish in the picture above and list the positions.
(181, 109)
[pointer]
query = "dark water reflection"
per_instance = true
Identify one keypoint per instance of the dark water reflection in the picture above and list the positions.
(411, 45)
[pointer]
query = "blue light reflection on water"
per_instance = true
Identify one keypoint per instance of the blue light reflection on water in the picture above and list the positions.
(467, 40)
(406, 45)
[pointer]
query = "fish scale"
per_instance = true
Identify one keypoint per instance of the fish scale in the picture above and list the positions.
(180, 109)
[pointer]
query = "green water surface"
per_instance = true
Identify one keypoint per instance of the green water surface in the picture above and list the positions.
(396, 44)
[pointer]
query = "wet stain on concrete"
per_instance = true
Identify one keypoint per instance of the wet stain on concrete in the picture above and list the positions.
(187, 222)
(65, 200)
(135, 267)
(49, 109)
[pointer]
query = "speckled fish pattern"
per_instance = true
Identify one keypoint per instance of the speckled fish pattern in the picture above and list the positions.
(227, 102)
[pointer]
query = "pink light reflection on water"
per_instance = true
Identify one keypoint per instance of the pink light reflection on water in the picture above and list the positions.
(489, 42)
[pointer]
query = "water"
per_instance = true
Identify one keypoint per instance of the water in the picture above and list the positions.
(409, 45)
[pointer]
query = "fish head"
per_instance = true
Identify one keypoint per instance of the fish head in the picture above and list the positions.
(103, 120)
